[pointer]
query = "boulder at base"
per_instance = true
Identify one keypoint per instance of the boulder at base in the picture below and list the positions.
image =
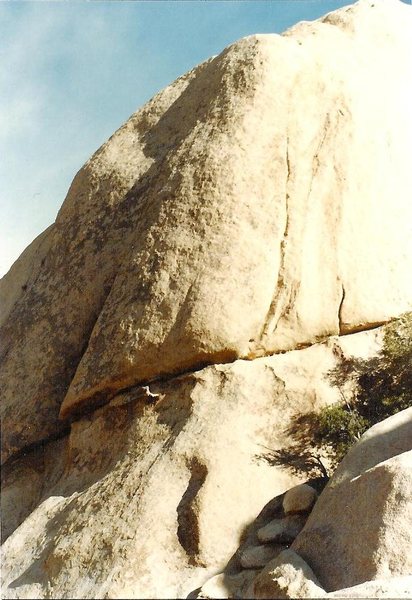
(393, 587)
(361, 527)
(287, 576)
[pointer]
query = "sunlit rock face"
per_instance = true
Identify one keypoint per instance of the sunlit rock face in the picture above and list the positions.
(257, 204)
(200, 279)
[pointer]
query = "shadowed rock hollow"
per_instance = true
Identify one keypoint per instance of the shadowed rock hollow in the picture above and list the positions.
(258, 205)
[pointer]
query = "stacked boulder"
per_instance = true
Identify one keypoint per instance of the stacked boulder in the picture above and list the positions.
(280, 532)
(355, 542)
(266, 544)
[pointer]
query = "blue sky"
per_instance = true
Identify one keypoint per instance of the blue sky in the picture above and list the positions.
(72, 72)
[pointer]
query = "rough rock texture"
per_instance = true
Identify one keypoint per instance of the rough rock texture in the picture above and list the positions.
(394, 587)
(282, 530)
(215, 587)
(225, 586)
(287, 576)
(24, 272)
(255, 557)
(275, 177)
(368, 499)
(300, 498)
(152, 496)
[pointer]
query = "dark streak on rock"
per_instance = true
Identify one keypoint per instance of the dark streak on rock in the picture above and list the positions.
(188, 527)
(340, 324)
(65, 431)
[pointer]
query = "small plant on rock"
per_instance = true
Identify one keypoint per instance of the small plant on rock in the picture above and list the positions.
(382, 387)
(379, 387)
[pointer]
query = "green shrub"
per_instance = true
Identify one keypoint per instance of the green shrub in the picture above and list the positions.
(382, 387)
(338, 429)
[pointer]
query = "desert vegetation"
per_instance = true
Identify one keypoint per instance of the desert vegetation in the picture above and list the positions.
(381, 387)
(370, 389)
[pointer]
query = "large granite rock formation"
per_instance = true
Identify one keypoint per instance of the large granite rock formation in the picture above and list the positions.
(156, 336)
(257, 204)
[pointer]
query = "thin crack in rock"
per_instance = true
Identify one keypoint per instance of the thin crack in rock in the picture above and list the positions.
(340, 309)
(275, 306)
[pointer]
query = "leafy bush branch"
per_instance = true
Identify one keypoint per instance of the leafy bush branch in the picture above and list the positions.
(382, 387)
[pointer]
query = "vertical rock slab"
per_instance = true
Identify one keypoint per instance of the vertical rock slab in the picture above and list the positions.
(285, 203)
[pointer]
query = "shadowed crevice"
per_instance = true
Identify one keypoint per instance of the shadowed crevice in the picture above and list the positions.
(188, 526)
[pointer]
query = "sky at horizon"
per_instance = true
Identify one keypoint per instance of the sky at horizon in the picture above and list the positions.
(73, 72)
